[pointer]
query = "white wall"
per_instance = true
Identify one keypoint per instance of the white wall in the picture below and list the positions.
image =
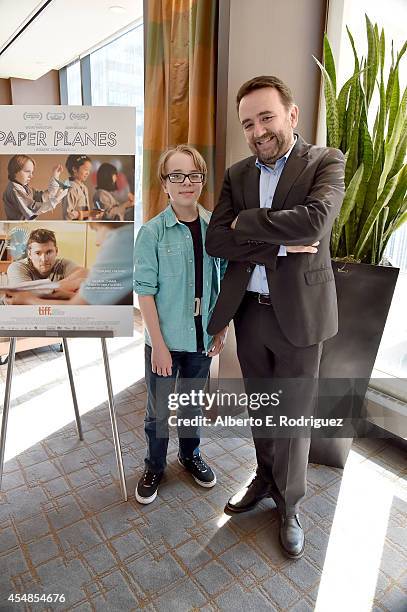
(275, 37)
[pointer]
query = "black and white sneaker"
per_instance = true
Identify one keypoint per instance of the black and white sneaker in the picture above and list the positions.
(200, 471)
(147, 486)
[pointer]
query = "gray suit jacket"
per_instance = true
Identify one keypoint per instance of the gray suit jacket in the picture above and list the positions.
(307, 200)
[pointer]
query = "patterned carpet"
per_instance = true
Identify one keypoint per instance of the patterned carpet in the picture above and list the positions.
(65, 530)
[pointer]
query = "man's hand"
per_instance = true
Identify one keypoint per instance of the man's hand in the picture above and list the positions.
(303, 249)
(161, 360)
(218, 342)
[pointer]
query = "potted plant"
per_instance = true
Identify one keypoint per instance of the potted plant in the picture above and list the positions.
(367, 120)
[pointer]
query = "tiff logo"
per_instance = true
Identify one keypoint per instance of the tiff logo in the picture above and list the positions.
(44, 310)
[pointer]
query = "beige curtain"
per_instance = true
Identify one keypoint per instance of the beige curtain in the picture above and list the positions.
(180, 89)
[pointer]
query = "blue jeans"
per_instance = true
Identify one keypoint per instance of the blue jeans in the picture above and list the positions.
(189, 372)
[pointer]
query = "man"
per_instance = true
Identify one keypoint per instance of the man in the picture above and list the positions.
(42, 262)
(273, 223)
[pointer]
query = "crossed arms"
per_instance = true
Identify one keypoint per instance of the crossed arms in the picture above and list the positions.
(259, 232)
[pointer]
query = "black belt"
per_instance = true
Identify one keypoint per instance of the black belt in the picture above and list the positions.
(261, 298)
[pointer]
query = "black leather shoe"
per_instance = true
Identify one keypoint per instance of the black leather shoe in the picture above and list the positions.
(248, 497)
(292, 538)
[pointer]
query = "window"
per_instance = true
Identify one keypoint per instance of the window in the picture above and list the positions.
(116, 79)
(74, 86)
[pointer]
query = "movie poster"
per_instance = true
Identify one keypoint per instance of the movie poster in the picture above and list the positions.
(66, 220)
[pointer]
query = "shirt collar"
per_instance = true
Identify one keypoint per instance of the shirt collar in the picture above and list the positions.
(171, 219)
(280, 160)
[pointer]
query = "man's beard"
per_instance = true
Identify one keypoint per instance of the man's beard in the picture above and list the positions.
(281, 144)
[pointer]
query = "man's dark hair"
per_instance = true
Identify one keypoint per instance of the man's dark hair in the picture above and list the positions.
(260, 82)
(42, 236)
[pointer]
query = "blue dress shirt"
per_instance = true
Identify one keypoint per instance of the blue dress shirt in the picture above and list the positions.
(269, 177)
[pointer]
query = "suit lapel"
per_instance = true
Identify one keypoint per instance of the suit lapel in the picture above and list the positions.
(251, 185)
(295, 164)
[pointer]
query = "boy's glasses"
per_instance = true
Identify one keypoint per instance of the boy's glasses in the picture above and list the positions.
(179, 177)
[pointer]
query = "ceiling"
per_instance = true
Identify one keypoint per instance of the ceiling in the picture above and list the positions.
(62, 31)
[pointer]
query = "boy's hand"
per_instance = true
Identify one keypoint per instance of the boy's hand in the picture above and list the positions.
(57, 171)
(218, 342)
(161, 360)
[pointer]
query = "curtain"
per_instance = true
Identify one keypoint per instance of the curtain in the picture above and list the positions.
(180, 89)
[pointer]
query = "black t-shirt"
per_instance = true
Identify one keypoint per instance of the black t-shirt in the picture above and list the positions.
(195, 229)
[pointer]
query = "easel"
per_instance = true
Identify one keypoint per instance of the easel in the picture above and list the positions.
(6, 406)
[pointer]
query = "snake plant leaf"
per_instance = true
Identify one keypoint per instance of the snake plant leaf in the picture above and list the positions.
(355, 55)
(397, 199)
(393, 70)
(329, 62)
(366, 154)
(365, 138)
(401, 53)
(352, 116)
(371, 189)
(393, 103)
(391, 146)
(382, 201)
(341, 104)
(372, 60)
(353, 154)
(397, 222)
(400, 151)
(379, 134)
(348, 204)
(382, 224)
(401, 219)
(331, 109)
(381, 47)
(375, 171)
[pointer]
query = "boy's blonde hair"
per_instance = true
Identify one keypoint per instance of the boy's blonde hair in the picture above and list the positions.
(199, 161)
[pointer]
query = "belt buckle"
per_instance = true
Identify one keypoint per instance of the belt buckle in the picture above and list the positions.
(264, 298)
(197, 308)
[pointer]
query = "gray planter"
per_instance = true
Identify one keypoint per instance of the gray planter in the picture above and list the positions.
(364, 297)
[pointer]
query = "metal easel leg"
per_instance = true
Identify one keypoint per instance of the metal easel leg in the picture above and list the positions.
(115, 430)
(6, 405)
(73, 391)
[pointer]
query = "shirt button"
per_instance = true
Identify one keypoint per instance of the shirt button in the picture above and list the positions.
(248, 269)
(191, 328)
(190, 261)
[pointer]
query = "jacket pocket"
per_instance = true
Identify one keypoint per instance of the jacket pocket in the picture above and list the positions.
(323, 275)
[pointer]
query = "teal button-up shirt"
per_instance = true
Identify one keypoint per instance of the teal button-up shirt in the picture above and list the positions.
(164, 266)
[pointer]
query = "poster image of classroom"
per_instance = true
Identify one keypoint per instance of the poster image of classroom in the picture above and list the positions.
(74, 187)
(53, 267)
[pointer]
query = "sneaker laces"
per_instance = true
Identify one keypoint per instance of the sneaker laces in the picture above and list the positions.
(199, 463)
(149, 478)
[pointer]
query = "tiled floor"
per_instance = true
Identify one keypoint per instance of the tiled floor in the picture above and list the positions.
(64, 528)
